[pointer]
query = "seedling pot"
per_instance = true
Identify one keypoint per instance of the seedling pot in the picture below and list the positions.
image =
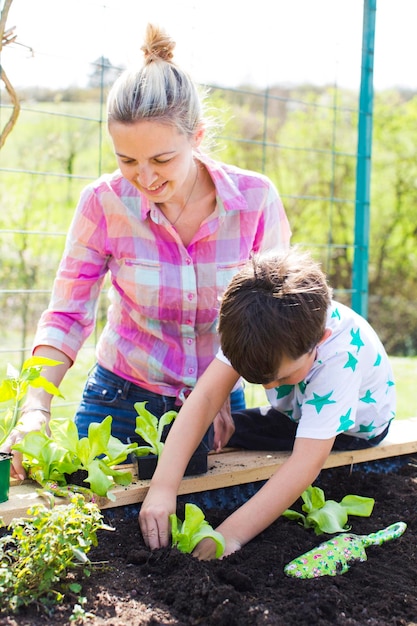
(77, 478)
(197, 464)
(5, 461)
(146, 464)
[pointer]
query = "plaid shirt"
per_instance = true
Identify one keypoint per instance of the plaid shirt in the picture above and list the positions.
(161, 330)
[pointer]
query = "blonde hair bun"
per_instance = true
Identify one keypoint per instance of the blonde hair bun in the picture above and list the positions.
(158, 45)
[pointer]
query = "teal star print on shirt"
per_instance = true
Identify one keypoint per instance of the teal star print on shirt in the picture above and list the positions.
(378, 360)
(345, 422)
(320, 401)
(356, 339)
(283, 390)
(336, 313)
(367, 398)
(302, 386)
(366, 429)
(351, 362)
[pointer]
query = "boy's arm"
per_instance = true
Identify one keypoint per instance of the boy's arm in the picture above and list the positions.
(278, 493)
(188, 429)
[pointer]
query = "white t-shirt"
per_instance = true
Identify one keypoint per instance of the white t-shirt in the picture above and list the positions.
(350, 388)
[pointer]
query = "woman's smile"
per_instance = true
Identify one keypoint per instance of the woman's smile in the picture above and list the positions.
(153, 190)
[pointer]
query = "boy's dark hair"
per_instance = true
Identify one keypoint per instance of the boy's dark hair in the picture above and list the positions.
(274, 307)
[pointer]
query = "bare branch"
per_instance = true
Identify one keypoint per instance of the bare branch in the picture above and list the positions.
(6, 37)
(9, 36)
(15, 112)
(3, 20)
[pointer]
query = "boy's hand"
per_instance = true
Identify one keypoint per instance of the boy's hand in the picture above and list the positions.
(154, 514)
(206, 549)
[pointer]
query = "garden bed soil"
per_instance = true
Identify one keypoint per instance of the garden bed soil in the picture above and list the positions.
(131, 586)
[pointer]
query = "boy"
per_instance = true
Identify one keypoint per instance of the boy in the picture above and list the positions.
(327, 377)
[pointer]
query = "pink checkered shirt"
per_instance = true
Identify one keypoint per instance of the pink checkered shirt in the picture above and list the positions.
(164, 297)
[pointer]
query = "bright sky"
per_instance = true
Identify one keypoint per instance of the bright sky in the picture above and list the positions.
(224, 42)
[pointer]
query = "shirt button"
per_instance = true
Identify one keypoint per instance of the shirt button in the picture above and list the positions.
(190, 296)
(188, 261)
(191, 370)
(189, 341)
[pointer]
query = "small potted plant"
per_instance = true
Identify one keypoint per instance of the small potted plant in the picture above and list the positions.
(13, 390)
(151, 434)
(52, 459)
(55, 461)
(5, 460)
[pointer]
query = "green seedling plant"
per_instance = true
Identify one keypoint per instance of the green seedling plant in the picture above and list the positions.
(49, 458)
(150, 429)
(38, 552)
(13, 389)
(329, 516)
(187, 534)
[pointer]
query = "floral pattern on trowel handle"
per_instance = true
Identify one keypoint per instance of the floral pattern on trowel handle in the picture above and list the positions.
(336, 555)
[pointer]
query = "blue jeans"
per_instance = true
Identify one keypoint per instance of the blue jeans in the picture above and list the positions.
(106, 393)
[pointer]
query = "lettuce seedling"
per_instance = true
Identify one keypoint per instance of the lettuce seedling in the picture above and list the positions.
(14, 387)
(329, 516)
(150, 429)
(194, 528)
(47, 458)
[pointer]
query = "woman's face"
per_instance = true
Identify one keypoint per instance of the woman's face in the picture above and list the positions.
(155, 158)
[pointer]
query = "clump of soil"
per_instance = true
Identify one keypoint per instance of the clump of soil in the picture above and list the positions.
(131, 586)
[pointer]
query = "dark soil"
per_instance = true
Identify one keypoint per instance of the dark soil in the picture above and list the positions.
(135, 587)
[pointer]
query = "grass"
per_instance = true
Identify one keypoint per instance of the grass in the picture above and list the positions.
(405, 374)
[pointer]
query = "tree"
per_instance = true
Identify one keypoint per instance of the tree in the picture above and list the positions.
(104, 73)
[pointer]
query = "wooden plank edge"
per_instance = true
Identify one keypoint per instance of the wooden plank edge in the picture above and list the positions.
(242, 474)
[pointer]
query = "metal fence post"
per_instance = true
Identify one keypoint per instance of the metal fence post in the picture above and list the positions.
(363, 164)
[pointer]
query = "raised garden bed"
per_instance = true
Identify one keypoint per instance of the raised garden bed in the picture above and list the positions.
(131, 585)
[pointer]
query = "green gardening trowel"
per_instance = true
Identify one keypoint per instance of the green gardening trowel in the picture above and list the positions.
(336, 555)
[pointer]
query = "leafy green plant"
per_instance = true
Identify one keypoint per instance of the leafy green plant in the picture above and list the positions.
(13, 389)
(150, 429)
(329, 516)
(187, 534)
(38, 553)
(49, 458)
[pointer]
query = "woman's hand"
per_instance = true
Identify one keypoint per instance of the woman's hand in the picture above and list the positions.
(29, 421)
(224, 427)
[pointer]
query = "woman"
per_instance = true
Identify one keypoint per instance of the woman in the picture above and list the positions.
(171, 226)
